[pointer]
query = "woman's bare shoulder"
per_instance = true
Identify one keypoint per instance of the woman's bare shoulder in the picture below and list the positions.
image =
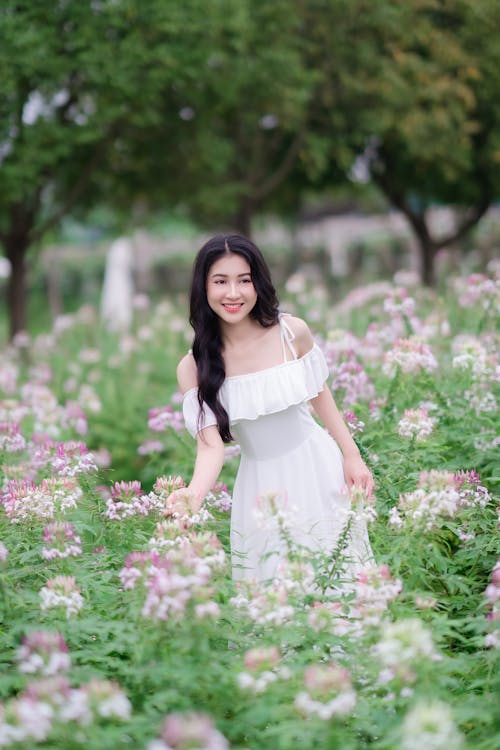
(303, 337)
(187, 375)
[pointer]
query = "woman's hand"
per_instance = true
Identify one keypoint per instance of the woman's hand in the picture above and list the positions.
(182, 501)
(358, 474)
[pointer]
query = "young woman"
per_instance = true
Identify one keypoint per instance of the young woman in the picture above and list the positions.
(250, 375)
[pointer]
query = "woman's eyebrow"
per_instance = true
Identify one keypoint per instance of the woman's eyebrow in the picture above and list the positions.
(224, 275)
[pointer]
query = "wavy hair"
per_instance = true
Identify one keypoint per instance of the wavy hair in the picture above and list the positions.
(207, 344)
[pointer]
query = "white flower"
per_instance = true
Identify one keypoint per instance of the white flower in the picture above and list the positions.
(430, 726)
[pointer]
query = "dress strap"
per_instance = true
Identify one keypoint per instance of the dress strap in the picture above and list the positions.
(287, 337)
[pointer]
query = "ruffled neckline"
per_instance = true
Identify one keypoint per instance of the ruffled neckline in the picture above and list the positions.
(267, 370)
(273, 389)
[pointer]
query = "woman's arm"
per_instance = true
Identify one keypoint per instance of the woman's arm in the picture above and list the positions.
(355, 470)
(208, 464)
(209, 452)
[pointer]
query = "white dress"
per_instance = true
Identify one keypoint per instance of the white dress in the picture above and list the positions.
(289, 464)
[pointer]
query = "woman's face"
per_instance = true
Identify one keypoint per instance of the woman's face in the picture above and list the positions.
(230, 290)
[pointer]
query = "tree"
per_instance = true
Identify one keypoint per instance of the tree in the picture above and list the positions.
(80, 80)
(244, 116)
(415, 96)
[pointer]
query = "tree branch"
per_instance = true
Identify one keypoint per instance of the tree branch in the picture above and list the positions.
(283, 170)
(397, 198)
(470, 220)
(74, 194)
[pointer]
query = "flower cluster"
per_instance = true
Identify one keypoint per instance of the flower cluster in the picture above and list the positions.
(398, 303)
(401, 648)
(44, 653)
(355, 425)
(49, 416)
(478, 289)
(492, 595)
(328, 692)
(60, 541)
(23, 500)
(163, 417)
(187, 731)
(50, 703)
(177, 571)
(65, 459)
(126, 500)
(262, 668)
(430, 725)
(417, 424)
(219, 497)
(374, 589)
(440, 495)
(340, 345)
(265, 605)
(471, 355)
(9, 373)
(353, 382)
(61, 592)
(410, 356)
(481, 399)
(11, 437)
(71, 458)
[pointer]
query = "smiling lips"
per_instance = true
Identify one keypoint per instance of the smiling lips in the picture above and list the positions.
(233, 308)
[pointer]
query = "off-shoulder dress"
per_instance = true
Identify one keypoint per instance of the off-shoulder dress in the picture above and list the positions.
(285, 455)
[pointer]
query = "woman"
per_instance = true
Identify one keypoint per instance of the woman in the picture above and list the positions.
(250, 376)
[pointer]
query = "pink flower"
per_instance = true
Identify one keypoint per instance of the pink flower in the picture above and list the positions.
(416, 423)
(61, 591)
(43, 652)
(163, 417)
(351, 378)
(11, 438)
(410, 356)
(61, 541)
(190, 730)
(399, 303)
(328, 692)
(24, 500)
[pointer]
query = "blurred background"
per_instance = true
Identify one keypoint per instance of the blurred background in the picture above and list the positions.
(354, 141)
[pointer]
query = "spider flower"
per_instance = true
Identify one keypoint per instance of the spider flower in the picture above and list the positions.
(416, 423)
(24, 501)
(61, 592)
(60, 541)
(189, 731)
(44, 653)
(328, 692)
(430, 725)
(410, 356)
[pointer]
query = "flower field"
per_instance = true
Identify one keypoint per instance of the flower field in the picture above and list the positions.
(121, 627)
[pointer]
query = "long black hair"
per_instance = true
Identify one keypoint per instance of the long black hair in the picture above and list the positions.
(207, 344)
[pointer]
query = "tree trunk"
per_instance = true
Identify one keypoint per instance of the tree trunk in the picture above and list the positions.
(243, 218)
(427, 255)
(17, 297)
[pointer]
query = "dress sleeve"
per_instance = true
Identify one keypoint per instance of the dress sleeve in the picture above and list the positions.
(191, 411)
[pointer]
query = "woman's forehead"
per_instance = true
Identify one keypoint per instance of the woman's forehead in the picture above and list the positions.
(230, 265)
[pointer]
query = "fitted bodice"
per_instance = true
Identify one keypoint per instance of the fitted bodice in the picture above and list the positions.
(260, 396)
(275, 434)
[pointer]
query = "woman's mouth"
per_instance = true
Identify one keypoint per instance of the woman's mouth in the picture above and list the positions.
(233, 308)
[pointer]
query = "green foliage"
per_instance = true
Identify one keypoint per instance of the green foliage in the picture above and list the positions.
(183, 664)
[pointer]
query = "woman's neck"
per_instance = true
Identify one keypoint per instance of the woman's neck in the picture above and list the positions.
(237, 334)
